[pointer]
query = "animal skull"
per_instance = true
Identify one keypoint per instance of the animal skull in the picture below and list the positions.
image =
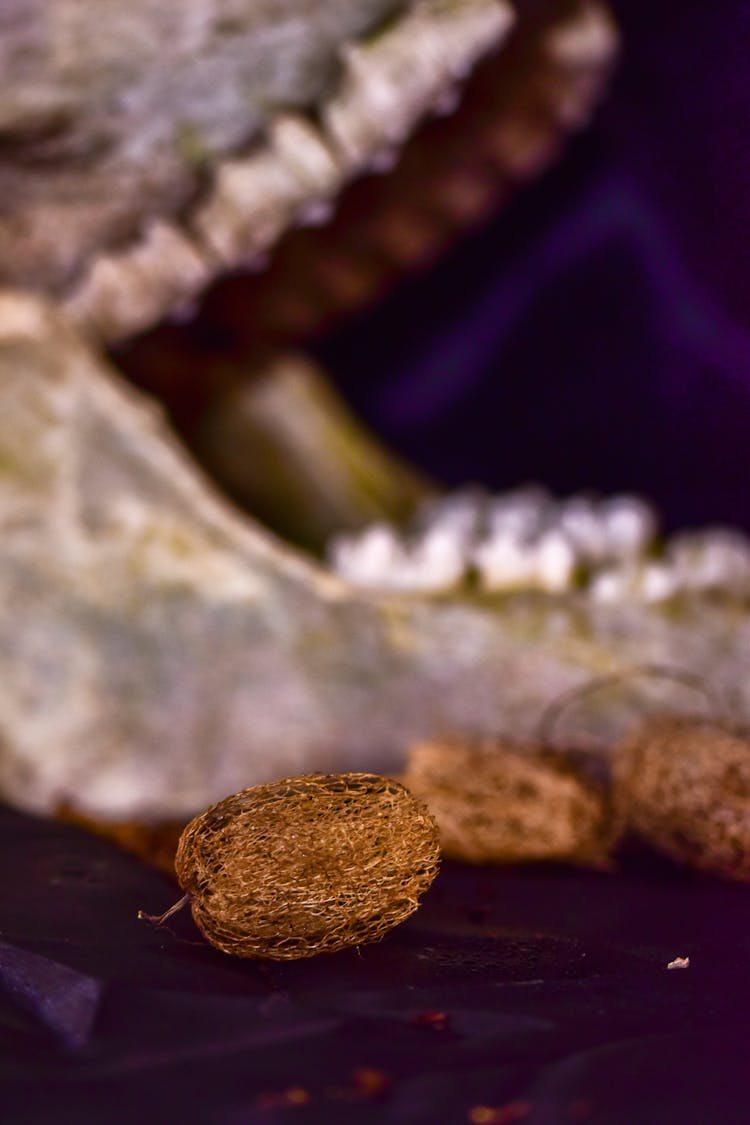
(158, 648)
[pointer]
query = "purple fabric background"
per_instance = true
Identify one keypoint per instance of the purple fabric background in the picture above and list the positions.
(595, 334)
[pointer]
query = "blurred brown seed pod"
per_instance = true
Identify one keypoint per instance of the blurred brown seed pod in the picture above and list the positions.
(683, 784)
(307, 865)
(497, 801)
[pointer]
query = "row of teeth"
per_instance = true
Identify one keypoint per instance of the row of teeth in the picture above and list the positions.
(389, 81)
(527, 540)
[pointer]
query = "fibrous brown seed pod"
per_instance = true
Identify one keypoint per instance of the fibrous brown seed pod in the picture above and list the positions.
(683, 784)
(307, 865)
(499, 801)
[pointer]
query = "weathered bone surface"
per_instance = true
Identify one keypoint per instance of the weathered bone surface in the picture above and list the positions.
(141, 162)
(158, 651)
(109, 110)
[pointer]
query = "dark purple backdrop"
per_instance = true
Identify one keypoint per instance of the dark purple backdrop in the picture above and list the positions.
(595, 335)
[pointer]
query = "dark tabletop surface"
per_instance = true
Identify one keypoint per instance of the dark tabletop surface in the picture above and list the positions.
(538, 995)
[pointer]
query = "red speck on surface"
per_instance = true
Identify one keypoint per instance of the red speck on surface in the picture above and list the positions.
(580, 1109)
(369, 1082)
(294, 1095)
(499, 1115)
(366, 1084)
(431, 1020)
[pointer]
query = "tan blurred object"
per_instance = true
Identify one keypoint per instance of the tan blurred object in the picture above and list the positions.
(499, 801)
(683, 784)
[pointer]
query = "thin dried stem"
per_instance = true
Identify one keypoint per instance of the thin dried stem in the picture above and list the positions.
(160, 919)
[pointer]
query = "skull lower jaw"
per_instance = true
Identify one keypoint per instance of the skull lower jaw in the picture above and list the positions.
(160, 650)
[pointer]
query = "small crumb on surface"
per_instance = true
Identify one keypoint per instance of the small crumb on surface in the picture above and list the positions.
(295, 1095)
(679, 963)
(498, 1115)
(370, 1082)
(432, 1020)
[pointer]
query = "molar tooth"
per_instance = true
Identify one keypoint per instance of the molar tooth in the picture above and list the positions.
(658, 582)
(254, 201)
(653, 582)
(506, 561)
(555, 562)
(257, 198)
(439, 559)
(391, 79)
(121, 289)
(715, 559)
(613, 584)
(580, 522)
(522, 513)
(368, 559)
(378, 559)
(302, 149)
(503, 562)
(629, 525)
(461, 514)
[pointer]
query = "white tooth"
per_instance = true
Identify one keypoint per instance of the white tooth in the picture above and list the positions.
(372, 559)
(503, 562)
(122, 287)
(555, 562)
(580, 522)
(253, 202)
(459, 514)
(523, 540)
(301, 148)
(440, 560)
(521, 513)
(657, 583)
(390, 80)
(507, 562)
(716, 559)
(378, 559)
(612, 585)
(629, 526)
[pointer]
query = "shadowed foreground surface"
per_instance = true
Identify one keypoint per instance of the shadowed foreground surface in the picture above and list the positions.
(539, 996)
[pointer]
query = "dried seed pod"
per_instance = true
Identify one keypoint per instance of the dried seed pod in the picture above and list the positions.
(307, 865)
(497, 801)
(683, 784)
